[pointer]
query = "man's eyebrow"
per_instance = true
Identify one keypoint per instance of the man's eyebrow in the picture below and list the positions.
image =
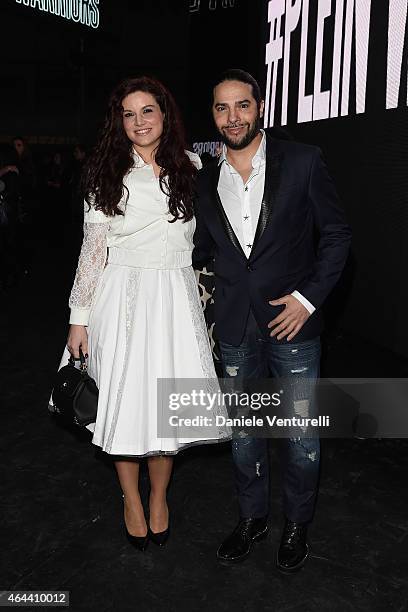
(238, 102)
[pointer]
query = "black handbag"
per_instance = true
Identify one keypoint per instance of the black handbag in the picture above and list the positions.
(75, 394)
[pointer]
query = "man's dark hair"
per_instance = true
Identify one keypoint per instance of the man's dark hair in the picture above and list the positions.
(236, 74)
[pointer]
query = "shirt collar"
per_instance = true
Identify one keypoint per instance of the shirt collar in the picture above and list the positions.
(258, 158)
(138, 160)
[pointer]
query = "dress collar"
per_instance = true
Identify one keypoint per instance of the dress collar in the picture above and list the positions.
(138, 160)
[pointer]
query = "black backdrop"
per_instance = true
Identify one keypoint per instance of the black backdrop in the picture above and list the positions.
(366, 153)
(55, 77)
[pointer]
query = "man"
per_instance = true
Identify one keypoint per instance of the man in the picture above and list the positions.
(268, 215)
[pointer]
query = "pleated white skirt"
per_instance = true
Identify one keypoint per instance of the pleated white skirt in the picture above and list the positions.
(145, 324)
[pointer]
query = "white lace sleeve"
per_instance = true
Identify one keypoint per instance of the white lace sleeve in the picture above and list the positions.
(90, 267)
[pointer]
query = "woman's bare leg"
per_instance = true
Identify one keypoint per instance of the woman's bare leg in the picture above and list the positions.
(160, 468)
(128, 473)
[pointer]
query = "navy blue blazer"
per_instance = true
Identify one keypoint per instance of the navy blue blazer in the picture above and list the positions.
(301, 242)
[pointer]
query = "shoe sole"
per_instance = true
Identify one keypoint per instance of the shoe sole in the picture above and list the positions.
(295, 568)
(257, 538)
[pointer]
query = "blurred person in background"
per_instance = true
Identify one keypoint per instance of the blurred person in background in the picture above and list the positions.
(9, 203)
(55, 173)
(23, 160)
(75, 189)
(56, 194)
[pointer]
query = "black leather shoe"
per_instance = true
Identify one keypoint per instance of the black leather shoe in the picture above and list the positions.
(293, 550)
(139, 542)
(238, 545)
(161, 537)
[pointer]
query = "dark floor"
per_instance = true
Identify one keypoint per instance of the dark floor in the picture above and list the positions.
(62, 507)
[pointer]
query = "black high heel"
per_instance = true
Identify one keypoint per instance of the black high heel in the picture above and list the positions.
(139, 542)
(159, 538)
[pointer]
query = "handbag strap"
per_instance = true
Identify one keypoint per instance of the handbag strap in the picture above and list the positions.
(82, 359)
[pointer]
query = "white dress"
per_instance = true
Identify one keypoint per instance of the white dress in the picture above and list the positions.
(136, 291)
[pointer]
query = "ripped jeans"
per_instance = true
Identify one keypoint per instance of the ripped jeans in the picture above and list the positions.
(256, 357)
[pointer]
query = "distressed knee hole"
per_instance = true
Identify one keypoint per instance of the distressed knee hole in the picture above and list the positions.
(232, 370)
(301, 408)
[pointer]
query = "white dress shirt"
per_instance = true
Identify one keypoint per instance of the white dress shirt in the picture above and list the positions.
(242, 201)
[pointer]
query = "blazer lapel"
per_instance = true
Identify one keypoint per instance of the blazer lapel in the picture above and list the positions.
(272, 179)
(221, 212)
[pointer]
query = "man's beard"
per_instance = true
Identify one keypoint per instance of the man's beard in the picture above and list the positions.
(238, 145)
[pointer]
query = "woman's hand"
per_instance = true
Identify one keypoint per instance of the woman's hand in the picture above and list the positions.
(77, 338)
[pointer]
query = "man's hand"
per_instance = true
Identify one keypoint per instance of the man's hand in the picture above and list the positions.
(291, 320)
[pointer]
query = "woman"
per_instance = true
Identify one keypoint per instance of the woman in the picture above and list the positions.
(138, 316)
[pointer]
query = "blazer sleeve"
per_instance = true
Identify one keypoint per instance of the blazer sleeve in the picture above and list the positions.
(334, 234)
(204, 245)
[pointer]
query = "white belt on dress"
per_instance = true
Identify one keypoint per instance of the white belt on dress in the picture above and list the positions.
(158, 260)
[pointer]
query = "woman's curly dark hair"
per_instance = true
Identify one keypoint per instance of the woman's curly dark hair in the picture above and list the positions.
(112, 157)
